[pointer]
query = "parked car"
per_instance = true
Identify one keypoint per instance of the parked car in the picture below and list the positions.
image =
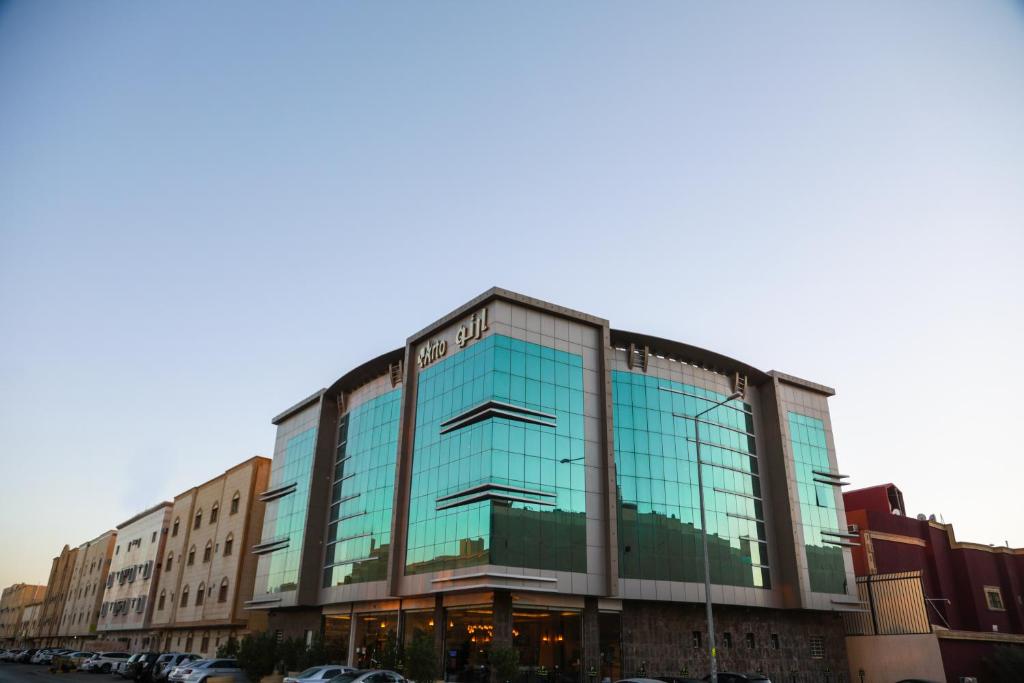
(142, 667)
(678, 679)
(122, 668)
(168, 661)
(103, 662)
(71, 660)
(730, 677)
(316, 674)
(8, 655)
(45, 656)
(25, 656)
(211, 667)
(369, 676)
(178, 673)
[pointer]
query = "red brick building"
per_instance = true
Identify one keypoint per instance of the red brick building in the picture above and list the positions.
(973, 594)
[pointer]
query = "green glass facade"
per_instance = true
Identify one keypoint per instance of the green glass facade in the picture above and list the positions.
(289, 513)
(825, 567)
(658, 498)
(498, 473)
(362, 491)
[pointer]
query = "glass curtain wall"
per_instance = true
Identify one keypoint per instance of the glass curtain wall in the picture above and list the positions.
(656, 470)
(498, 472)
(289, 512)
(826, 570)
(359, 522)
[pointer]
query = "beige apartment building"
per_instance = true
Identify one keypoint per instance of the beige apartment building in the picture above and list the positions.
(28, 629)
(13, 602)
(85, 591)
(207, 573)
(52, 610)
(131, 579)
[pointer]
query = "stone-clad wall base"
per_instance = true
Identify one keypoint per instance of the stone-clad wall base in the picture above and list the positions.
(657, 638)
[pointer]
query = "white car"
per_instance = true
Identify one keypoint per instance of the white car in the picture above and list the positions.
(167, 662)
(369, 676)
(178, 673)
(103, 662)
(211, 667)
(317, 674)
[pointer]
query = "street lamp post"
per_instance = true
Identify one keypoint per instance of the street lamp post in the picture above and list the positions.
(704, 538)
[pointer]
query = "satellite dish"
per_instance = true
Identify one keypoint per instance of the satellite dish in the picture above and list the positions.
(897, 512)
(931, 518)
(921, 518)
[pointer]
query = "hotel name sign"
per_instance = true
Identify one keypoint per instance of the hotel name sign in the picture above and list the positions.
(435, 349)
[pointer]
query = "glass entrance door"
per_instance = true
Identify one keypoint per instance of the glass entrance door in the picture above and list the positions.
(549, 644)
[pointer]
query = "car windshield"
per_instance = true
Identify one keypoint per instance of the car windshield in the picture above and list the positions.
(310, 672)
(346, 678)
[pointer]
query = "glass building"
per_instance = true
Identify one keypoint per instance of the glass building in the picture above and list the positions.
(522, 475)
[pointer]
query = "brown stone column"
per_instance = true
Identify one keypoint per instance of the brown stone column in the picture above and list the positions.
(590, 634)
(502, 619)
(440, 626)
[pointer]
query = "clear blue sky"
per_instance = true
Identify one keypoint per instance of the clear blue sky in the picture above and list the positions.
(209, 210)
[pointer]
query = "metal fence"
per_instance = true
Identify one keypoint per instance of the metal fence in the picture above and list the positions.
(896, 606)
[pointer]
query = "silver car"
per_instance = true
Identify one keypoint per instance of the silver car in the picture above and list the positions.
(212, 667)
(178, 673)
(318, 674)
(369, 676)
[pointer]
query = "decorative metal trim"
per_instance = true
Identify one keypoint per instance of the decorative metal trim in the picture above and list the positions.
(736, 493)
(493, 495)
(488, 485)
(279, 491)
(489, 409)
(272, 545)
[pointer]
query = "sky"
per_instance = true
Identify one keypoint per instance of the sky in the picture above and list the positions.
(209, 211)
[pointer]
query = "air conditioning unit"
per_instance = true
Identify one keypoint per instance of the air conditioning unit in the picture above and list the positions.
(853, 528)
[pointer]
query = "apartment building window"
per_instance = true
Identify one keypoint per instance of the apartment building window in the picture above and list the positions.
(213, 513)
(174, 528)
(170, 560)
(234, 502)
(191, 556)
(695, 640)
(188, 643)
(184, 597)
(160, 602)
(994, 598)
(775, 641)
(198, 521)
(208, 551)
(222, 594)
(750, 641)
(228, 543)
(201, 594)
(817, 647)
(153, 540)
(204, 644)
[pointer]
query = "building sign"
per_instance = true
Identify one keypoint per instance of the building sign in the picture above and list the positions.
(475, 330)
(436, 349)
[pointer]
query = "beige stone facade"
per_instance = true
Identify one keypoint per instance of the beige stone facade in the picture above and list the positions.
(28, 629)
(52, 611)
(12, 607)
(85, 592)
(132, 578)
(208, 573)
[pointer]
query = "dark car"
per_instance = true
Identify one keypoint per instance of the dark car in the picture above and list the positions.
(142, 667)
